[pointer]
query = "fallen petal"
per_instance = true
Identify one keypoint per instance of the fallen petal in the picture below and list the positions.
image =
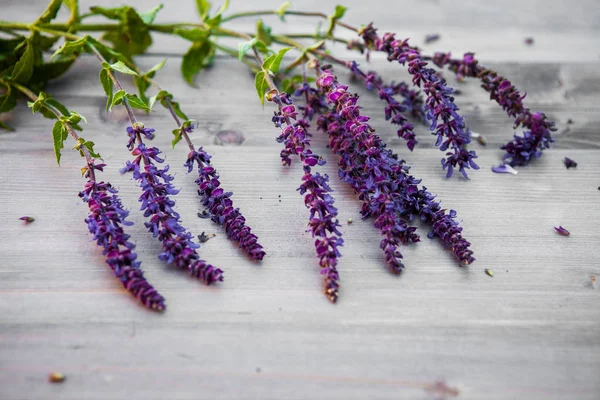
(504, 169)
(562, 231)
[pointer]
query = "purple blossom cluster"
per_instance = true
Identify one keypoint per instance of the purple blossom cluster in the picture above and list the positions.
(440, 109)
(537, 128)
(219, 205)
(394, 110)
(178, 247)
(323, 223)
(389, 193)
(105, 222)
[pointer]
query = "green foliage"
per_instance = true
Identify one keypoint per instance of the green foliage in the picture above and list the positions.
(165, 98)
(24, 67)
(59, 135)
(263, 32)
(121, 67)
(282, 9)
(82, 143)
(108, 87)
(50, 13)
(273, 62)
(262, 85)
(149, 16)
(337, 15)
(132, 35)
(134, 101)
(270, 66)
(193, 35)
(199, 56)
(178, 133)
(244, 47)
(143, 85)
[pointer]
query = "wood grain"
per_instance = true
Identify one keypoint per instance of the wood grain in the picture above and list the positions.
(530, 332)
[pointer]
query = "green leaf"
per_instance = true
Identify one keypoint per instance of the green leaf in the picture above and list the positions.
(73, 6)
(4, 126)
(110, 13)
(263, 32)
(198, 56)
(261, 85)
(107, 84)
(118, 98)
(10, 45)
(177, 138)
(215, 21)
(338, 14)
(52, 70)
(194, 34)
(149, 16)
(89, 145)
(156, 68)
(273, 62)
(8, 100)
(106, 51)
(222, 9)
(71, 48)
(38, 103)
(244, 47)
(136, 102)
(203, 7)
(282, 9)
(58, 105)
(59, 135)
(163, 96)
(50, 13)
(121, 67)
(24, 67)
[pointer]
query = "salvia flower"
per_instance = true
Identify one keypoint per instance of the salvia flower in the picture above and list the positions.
(537, 128)
(219, 205)
(562, 231)
(570, 163)
(323, 223)
(394, 110)
(178, 247)
(105, 222)
(383, 183)
(441, 111)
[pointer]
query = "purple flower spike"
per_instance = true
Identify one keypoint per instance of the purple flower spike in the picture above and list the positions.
(219, 205)
(388, 192)
(323, 223)
(440, 109)
(536, 136)
(105, 222)
(562, 231)
(570, 163)
(178, 247)
(394, 110)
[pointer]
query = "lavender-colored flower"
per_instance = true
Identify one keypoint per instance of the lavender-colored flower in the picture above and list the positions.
(504, 169)
(219, 205)
(178, 247)
(323, 223)
(441, 111)
(536, 136)
(105, 222)
(394, 110)
(562, 231)
(570, 163)
(434, 37)
(388, 192)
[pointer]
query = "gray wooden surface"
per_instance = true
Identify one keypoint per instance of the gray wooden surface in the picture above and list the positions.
(530, 332)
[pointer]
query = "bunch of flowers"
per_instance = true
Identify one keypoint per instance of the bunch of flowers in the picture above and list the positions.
(390, 194)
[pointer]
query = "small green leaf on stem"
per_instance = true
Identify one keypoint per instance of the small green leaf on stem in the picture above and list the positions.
(273, 62)
(71, 48)
(282, 9)
(73, 6)
(50, 13)
(121, 67)
(136, 102)
(8, 100)
(24, 67)
(193, 35)
(108, 87)
(337, 15)
(59, 135)
(263, 32)
(203, 7)
(156, 68)
(81, 143)
(149, 16)
(261, 84)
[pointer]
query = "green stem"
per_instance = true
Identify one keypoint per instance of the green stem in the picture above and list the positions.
(298, 13)
(88, 157)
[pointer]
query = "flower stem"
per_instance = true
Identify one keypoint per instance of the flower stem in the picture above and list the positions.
(88, 157)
